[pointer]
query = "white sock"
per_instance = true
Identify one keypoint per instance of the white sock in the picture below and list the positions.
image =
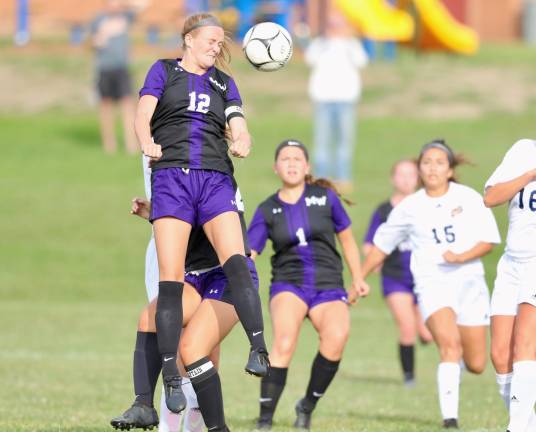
(504, 381)
(193, 420)
(522, 395)
(169, 422)
(448, 385)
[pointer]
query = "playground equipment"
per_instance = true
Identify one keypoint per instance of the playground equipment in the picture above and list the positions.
(436, 27)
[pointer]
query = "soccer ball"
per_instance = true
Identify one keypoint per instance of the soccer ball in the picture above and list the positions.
(267, 46)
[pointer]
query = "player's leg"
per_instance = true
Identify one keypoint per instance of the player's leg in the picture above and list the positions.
(147, 364)
(225, 234)
(424, 334)
(474, 347)
(442, 325)
(171, 236)
(210, 324)
(287, 312)
(331, 319)
(401, 305)
(523, 390)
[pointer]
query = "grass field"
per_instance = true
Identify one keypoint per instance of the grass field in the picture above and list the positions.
(71, 272)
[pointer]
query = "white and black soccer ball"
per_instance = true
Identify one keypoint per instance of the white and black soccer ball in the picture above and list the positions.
(267, 46)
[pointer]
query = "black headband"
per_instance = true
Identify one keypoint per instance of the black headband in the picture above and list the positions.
(291, 143)
(210, 21)
(440, 144)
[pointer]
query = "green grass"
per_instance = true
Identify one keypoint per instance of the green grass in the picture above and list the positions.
(71, 272)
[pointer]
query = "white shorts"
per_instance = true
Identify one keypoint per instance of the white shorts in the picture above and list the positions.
(467, 295)
(152, 274)
(515, 284)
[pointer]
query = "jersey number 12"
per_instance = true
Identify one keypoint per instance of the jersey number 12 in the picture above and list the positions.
(199, 102)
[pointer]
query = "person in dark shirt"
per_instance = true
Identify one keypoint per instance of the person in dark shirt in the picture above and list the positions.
(396, 277)
(185, 106)
(302, 219)
(209, 316)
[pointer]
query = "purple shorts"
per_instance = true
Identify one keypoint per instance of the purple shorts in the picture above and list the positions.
(194, 196)
(310, 296)
(213, 283)
(391, 285)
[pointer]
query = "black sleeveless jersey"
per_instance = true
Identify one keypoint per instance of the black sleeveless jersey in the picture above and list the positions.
(303, 238)
(190, 117)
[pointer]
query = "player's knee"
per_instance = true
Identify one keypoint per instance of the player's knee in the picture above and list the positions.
(284, 345)
(144, 322)
(477, 365)
(524, 348)
(450, 350)
(334, 340)
(407, 334)
(500, 357)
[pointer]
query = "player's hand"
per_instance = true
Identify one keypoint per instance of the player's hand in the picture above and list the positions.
(141, 207)
(359, 289)
(452, 258)
(240, 148)
(152, 150)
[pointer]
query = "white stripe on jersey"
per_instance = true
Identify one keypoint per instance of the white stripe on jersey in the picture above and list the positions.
(457, 221)
(521, 239)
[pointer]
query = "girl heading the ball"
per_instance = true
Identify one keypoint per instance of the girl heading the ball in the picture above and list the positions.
(184, 108)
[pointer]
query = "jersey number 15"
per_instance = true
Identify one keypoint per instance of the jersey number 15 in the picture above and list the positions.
(450, 237)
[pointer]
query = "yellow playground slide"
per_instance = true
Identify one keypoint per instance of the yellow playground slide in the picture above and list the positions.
(448, 32)
(377, 20)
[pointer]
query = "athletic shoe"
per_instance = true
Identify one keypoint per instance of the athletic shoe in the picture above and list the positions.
(138, 415)
(175, 399)
(451, 423)
(258, 362)
(303, 416)
(264, 424)
(409, 380)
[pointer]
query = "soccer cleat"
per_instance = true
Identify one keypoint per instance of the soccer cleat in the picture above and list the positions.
(409, 380)
(451, 423)
(258, 362)
(175, 399)
(303, 416)
(138, 415)
(264, 424)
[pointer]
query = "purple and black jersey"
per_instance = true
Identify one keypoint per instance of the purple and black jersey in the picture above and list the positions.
(396, 265)
(190, 117)
(303, 238)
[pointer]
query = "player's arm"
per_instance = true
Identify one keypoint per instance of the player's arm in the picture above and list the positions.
(254, 254)
(142, 126)
(240, 137)
(374, 259)
(141, 207)
(477, 251)
(351, 255)
(503, 192)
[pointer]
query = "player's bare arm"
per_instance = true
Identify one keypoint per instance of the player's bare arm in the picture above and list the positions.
(503, 192)
(142, 126)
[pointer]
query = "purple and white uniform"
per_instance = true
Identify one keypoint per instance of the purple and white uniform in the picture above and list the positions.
(395, 272)
(305, 261)
(192, 181)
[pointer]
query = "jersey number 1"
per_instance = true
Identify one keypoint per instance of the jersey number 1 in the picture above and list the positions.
(301, 237)
(199, 102)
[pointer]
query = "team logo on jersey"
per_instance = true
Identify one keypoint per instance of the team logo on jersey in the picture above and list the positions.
(222, 87)
(277, 210)
(319, 201)
(456, 211)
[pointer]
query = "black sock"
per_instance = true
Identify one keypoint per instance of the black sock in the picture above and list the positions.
(169, 324)
(246, 299)
(322, 373)
(146, 367)
(207, 386)
(407, 360)
(271, 388)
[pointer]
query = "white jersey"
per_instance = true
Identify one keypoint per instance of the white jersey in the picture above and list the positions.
(521, 239)
(456, 221)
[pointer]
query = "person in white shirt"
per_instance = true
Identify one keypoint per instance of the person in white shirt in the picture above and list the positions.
(335, 88)
(513, 304)
(449, 229)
